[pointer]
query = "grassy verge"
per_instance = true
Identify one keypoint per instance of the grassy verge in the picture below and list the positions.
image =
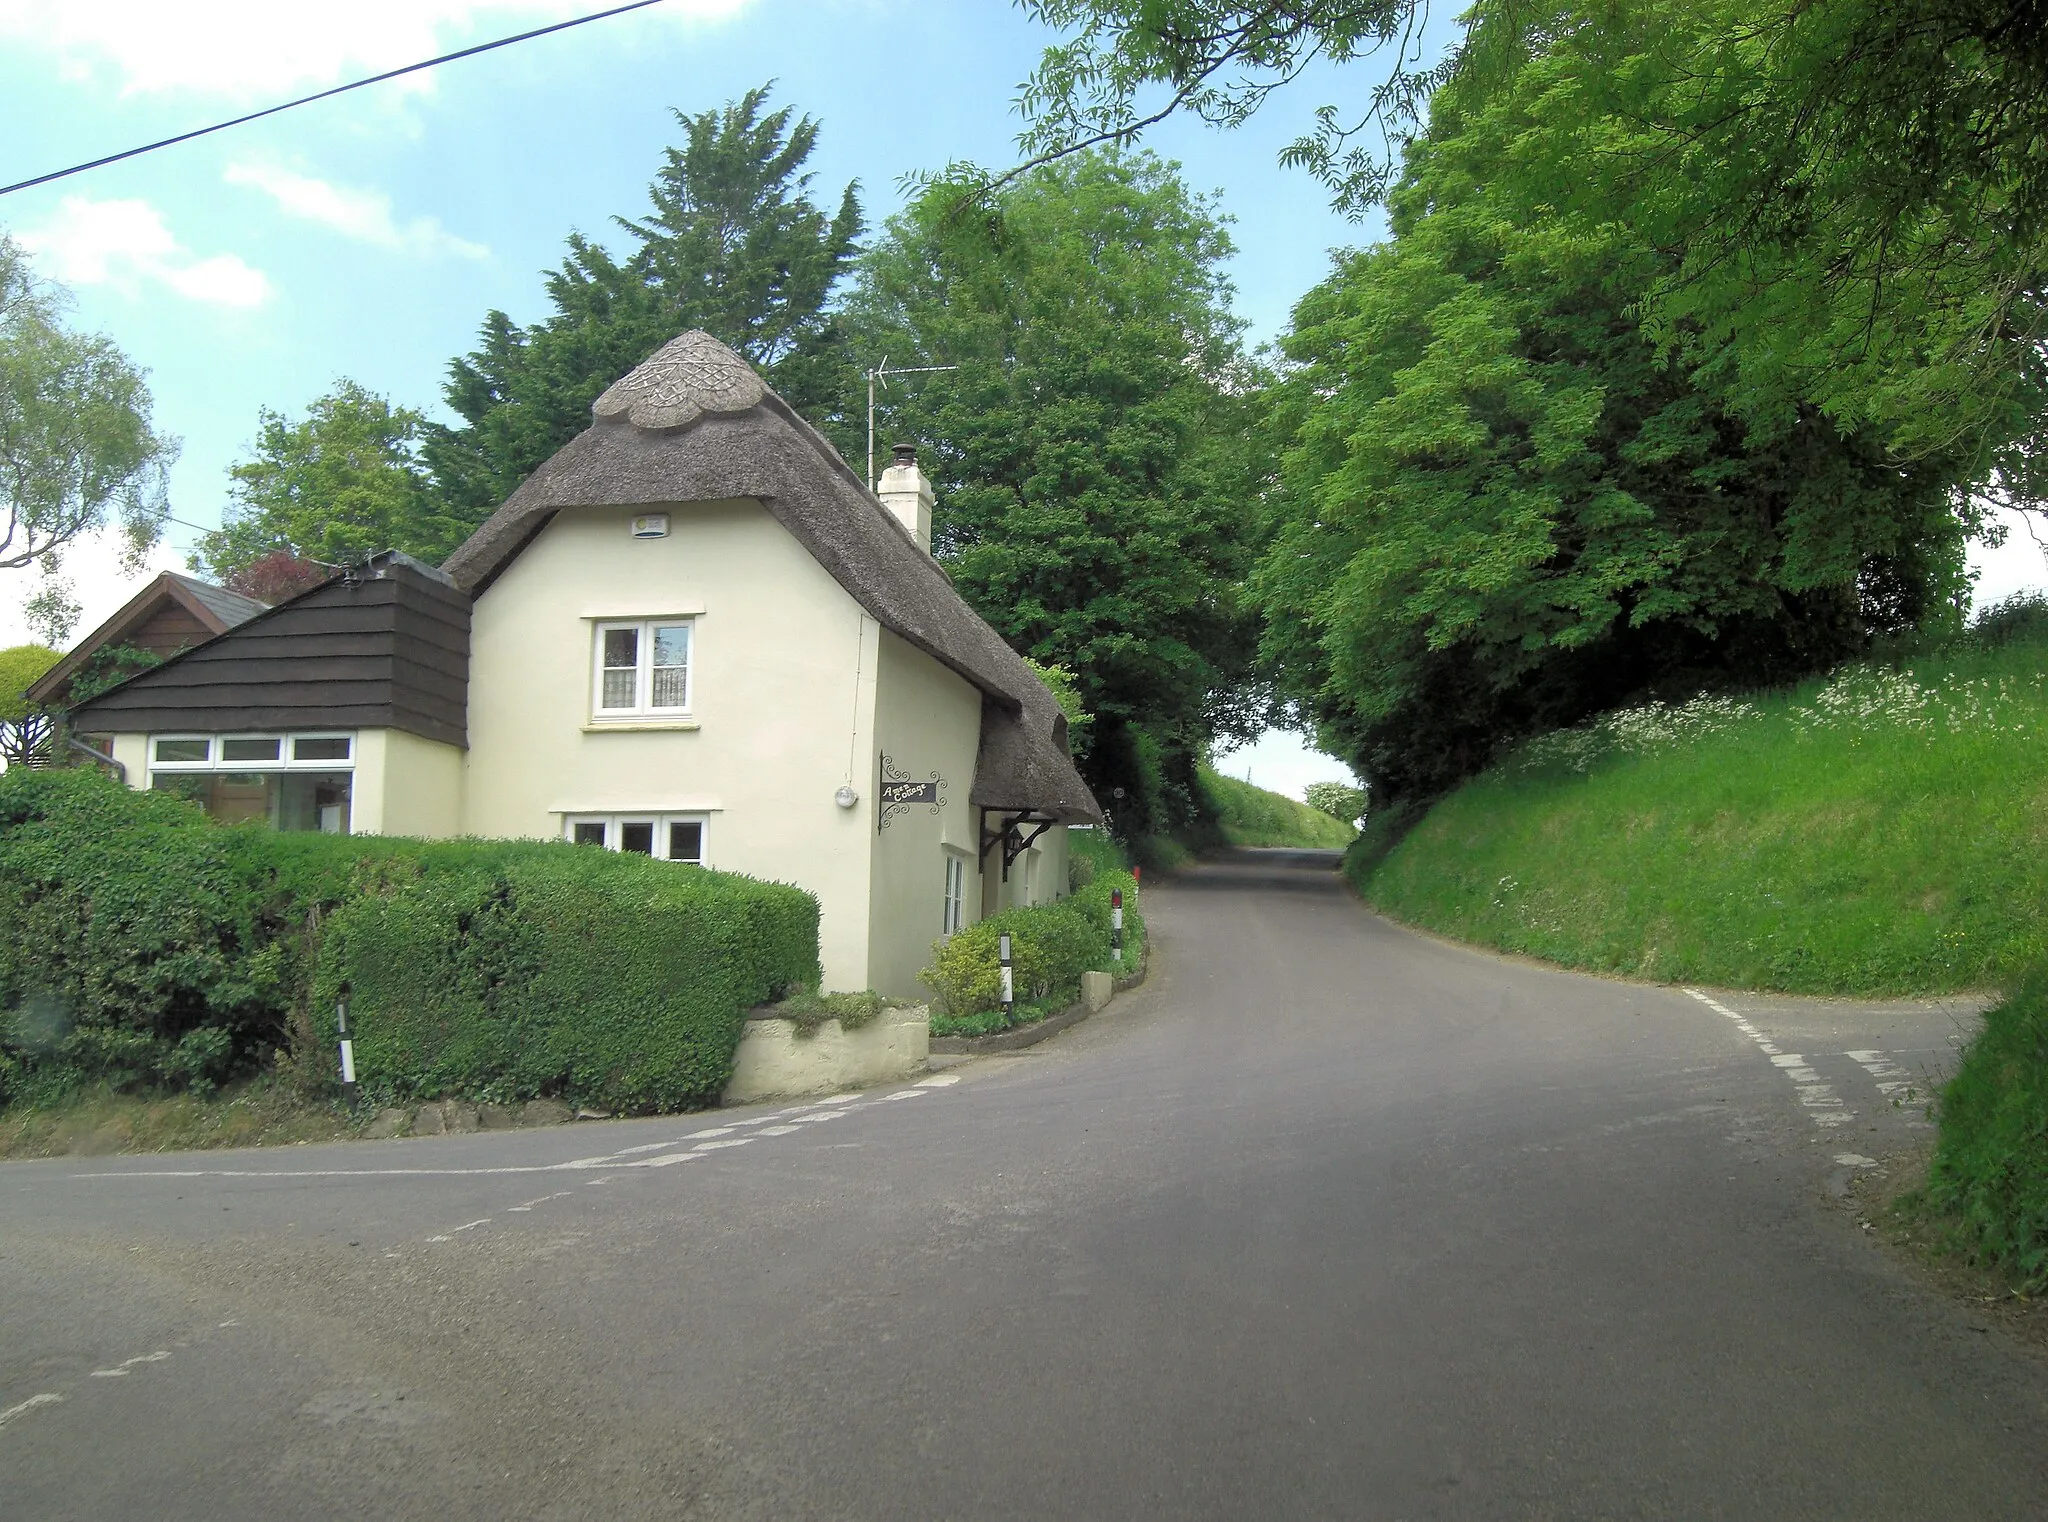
(1881, 832)
(99, 1121)
(1251, 816)
(1987, 1183)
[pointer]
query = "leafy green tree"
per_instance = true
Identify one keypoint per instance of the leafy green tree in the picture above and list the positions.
(1508, 508)
(1854, 192)
(25, 727)
(1096, 482)
(734, 244)
(335, 486)
(1337, 799)
(77, 450)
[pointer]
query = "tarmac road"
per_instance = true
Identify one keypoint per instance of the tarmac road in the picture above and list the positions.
(1327, 1220)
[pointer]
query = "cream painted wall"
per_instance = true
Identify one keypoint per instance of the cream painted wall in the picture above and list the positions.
(405, 785)
(927, 719)
(782, 704)
(132, 751)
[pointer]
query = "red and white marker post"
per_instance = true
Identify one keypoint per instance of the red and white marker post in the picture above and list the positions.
(1116, 924)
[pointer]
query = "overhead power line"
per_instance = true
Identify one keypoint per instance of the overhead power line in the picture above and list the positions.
(307, 100)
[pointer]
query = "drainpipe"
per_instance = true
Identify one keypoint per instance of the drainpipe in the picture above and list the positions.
(120, 771)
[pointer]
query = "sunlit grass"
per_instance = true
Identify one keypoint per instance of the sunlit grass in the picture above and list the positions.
(1884, 831)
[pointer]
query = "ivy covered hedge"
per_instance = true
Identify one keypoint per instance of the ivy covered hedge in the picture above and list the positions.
(1050, 947)
(141, 943)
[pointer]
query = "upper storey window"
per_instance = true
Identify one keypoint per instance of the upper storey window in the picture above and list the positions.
(642, 669)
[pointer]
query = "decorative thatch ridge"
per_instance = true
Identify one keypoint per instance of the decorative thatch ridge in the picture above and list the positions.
(674, 431)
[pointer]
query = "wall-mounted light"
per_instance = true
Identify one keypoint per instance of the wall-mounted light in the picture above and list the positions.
(846, 797)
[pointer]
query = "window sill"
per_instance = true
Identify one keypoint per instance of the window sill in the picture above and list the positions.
(611, 726)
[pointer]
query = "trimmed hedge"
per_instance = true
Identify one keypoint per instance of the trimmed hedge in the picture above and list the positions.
(1990, 1166)
(551, 970)
(142, 943)
(1050, 947)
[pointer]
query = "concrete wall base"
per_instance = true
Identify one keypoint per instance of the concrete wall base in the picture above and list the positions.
(774, 1061)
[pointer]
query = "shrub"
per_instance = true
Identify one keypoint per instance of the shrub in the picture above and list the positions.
(1990, 1167)
(142, 943)
(1050, 947)
(534, 969)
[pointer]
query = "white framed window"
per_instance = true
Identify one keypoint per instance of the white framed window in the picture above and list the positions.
(956, 894)
(252, 752)
(666, 837)
(641, 668)
(293, 781)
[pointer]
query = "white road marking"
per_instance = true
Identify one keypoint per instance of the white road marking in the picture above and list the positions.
(731, 1141)
(714, 1131)
(777, 1130)
(937, 1081)
(109, 1373)
(1855, 1160)
(678, 1157)
(157, 1357)
(1817, 1098)
(29, 1405)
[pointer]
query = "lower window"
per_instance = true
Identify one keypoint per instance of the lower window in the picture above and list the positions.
(666, 837)
(284, 800)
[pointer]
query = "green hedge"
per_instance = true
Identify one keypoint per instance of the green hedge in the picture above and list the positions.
(552, 970)
(1990, 1166)
(142, 943)
(1050, 947)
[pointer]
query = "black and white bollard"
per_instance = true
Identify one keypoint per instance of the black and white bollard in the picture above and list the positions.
(1116, 924)
(348, 1048)
(1009, 977)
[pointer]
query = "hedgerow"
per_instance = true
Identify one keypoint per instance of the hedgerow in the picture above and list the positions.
(141, 943)
(545, 969)
(1050, 947)
(1990, 1166)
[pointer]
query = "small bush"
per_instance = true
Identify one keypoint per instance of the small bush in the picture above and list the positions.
(1050, 947)
(1990, 1167)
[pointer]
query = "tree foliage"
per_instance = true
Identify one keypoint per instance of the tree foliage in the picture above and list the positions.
(24, 726)
(733, 244)
(1853, 193)
(1509, 508)
(336, 485)
(77, 450)
(1090, 454)
(1339, 800)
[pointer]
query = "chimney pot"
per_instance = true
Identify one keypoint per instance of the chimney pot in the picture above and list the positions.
(906, 454)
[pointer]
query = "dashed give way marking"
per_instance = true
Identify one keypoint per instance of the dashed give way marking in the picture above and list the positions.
(1819, 1099)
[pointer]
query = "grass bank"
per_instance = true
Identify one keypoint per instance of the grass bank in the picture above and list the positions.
(1251, 816)
(1883, 831)
(99, 1121)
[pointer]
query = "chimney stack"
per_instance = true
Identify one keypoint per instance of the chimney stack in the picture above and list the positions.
(906, 493)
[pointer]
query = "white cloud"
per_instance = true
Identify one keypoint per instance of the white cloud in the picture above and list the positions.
(127, 244)
(270, 48)
(364, 215)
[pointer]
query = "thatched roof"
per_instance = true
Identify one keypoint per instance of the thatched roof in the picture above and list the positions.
(695, 424)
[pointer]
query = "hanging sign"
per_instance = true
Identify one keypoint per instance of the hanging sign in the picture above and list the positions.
(900, 793)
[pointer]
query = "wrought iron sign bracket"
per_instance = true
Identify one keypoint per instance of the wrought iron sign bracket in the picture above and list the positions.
(1010, 835)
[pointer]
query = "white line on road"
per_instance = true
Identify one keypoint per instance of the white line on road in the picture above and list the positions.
(29, 1405)
(1818, 1099)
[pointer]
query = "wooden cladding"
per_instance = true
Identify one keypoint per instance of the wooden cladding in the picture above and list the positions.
(383, 648)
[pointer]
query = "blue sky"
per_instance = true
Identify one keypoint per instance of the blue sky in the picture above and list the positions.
(366, 236)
